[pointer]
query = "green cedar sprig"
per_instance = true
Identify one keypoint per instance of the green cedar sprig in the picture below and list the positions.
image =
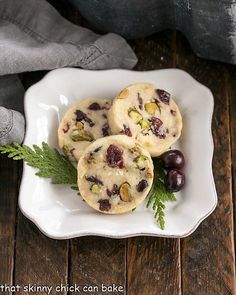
(158, 194)
(49, 162)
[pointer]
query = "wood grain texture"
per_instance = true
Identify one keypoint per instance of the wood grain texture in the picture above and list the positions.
(95, 261)
(208, 254)
(231, 79)
(153, 264)
(156, 52)
(142, 265)
(39, 260)
(8, 200)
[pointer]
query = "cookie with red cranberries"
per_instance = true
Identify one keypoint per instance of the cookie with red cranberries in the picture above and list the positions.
(115, 174)
(148, 114)
(82, 124)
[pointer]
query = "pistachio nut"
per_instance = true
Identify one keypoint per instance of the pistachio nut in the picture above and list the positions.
(96, 189)
(144, 124)
(123, 94)
(81, 135)
(140, 162)
(125, 192)
(135, 115)
(151, 107)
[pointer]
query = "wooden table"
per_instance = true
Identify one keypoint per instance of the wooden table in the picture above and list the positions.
(202, 264)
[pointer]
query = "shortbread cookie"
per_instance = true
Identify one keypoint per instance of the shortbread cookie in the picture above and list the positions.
(82, 124)
(115, 174)
(148, 114)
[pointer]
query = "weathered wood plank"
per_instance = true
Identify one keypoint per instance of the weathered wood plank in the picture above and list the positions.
(208, 254)
(8, 200)
(97, 261)
(155, 52)
(39, 260)
(232, 96)
(153, 264)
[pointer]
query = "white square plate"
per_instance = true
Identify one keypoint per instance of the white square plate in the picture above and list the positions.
(60, 213)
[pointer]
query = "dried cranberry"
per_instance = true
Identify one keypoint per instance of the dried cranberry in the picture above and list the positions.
(156, 123)
(155, 127)
(163, 95)
(173, 112)
(109, 193)
(104, 205)
(142, 185)
(94, 179)
(94, 106)
(82, 116)
(114, 191)
(140, 101)
(127, 131)
(65, 130)
(97, 149)
(114, 157)
(79, 115)
(105, 129)
(72, 152)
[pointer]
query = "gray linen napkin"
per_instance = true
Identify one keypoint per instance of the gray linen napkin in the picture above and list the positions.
(33, 36)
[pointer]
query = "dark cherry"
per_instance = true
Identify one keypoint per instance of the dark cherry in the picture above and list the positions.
(174, 180)
(82, 116)
(140, 102)
(142, 185)
(105, 129)
(127, 131)
(94, 106)
(173, 159)
(104, 205)
(114, 191)
(163, 95)
(155, 127)
(97, 149)
(114, 157)
(93, 179)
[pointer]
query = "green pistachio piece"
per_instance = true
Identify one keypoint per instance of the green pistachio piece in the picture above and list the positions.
(144, 124)
(81, 135)
(125, 192)
(135, 115)
(66, 149)
(96, 189)
(140, 162)
(151, 107)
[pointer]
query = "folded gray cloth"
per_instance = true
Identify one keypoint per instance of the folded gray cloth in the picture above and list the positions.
(33, 36)
(11, 126)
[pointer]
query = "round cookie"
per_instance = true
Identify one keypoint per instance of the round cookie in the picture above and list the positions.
(83, 123)
(115, 174)
(148, 114)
